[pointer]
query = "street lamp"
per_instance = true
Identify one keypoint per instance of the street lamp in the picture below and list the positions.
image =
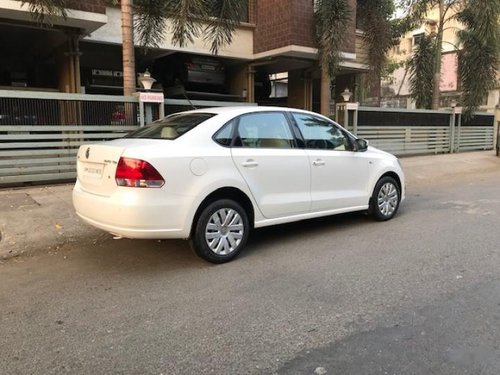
(346, 95)
(147, 98)
(147, 81)
(453, 103)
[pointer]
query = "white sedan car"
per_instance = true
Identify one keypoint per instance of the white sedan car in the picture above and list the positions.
(211, 175)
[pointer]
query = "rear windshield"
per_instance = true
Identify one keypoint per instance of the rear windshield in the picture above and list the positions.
(170, 127)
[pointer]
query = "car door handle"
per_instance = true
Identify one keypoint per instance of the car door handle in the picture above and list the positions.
(318, 163)
(250, 164)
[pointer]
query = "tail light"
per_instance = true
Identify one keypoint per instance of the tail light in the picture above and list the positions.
(137, 173)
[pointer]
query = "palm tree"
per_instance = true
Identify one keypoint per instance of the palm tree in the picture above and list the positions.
(332, 18)
(478, 51)
(417, 11)
(128, 52)
(481, 48)
(422, 72)
(379, 32)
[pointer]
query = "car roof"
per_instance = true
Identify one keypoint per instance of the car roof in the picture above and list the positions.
(239, 110)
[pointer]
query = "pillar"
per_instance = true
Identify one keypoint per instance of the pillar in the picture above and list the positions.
(299, 90)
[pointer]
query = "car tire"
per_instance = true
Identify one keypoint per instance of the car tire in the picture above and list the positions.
(221, 231)
(385, 200)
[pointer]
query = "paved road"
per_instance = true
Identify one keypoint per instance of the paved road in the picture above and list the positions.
(345, 295)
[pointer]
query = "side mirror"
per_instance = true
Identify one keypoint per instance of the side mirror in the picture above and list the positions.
(362, 144)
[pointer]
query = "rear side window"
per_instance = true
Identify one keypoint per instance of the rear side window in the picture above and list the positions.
(224, 136)
(171, 127)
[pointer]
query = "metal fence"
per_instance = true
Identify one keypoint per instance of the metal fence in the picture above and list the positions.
(46, 108)
(414, 132)
(48, 152)
(40, 133)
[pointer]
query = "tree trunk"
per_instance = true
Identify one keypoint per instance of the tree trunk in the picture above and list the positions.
(439, 55)
(436, 91)
(129, 79)
(325, 93)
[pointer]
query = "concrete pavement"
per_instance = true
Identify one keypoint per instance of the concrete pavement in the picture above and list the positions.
(42, 218)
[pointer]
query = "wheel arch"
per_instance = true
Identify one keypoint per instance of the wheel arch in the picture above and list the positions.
(396, 178)
(394, 175)
(226, 193)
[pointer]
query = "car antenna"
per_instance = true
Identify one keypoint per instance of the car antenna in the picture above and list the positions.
(189, 100)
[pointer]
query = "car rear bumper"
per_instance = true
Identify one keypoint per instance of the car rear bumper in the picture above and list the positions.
(134, 213)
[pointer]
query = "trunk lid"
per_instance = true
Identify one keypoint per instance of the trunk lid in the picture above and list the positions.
(96, 167)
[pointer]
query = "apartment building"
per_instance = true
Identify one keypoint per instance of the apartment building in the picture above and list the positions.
(396, 90)
(82, 54)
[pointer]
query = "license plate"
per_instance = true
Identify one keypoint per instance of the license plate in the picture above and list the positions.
(92, 170)
(208, 67)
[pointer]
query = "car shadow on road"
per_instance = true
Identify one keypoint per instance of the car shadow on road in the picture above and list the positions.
(173, 255)
(141, 256)
(264, 239)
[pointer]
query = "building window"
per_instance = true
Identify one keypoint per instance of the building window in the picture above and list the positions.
(244, 15)
(417, 38)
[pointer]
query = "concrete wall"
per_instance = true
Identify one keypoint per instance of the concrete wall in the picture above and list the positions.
(242, 46)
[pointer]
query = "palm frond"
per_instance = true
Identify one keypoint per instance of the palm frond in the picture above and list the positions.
(226, 16)
(479, 56)
(332, 18)
(43, 10)
(417, 9)
(185, 16)
(421, 67)
(182, 18)
(374, 18)
(150, 22)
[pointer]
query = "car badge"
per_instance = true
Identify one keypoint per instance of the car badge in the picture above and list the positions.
(87, 153)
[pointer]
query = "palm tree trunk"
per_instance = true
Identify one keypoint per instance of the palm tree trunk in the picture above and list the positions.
(129, 80)
(438, 57)
(325, 92)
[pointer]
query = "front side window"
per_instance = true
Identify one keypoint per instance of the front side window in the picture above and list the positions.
(321, 134)
(264, 130)
(171, 127)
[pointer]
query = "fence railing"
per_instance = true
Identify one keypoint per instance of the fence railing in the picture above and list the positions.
(48, 108)
(40, 132)
(401, 140)
(30, 153)
(414, 132)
